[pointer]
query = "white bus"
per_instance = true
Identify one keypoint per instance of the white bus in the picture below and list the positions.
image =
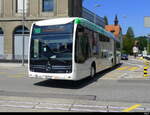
(70, 49)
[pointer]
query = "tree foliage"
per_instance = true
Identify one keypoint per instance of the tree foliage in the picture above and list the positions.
(142, 42)
(130, 32)
(128, 41)
(106, 20)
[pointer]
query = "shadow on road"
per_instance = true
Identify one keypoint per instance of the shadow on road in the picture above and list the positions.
(75, 84)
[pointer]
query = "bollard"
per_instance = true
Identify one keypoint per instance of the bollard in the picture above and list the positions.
(141, 58)
(145, 71)
(146, 63)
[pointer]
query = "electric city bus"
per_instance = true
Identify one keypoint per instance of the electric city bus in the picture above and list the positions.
(70, 49)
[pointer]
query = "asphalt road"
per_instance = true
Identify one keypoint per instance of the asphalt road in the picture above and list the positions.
(122, 85)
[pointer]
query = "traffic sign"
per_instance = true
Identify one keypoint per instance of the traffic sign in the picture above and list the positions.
(147, 21)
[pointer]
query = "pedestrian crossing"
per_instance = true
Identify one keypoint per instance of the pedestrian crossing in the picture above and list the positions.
(125, 72)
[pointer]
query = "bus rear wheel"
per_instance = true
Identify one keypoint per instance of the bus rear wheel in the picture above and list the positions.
(93, 72)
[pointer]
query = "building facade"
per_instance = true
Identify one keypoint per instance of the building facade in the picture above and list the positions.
(11, 21)
(93, 17)
(116, 30)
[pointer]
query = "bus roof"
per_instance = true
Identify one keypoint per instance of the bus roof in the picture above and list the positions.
(94, 27)
(82, 21)
(55, 21)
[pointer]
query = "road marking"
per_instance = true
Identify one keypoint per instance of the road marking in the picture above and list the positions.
(64, 106)
(2, 72)
(123, 68)
(17, 75)
(128, 68)
(140, 66)
(131, 108)
(133, 68)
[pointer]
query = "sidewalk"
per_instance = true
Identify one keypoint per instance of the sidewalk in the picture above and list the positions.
(13, 65)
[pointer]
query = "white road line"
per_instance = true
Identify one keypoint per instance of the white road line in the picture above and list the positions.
(16, 106)
(52, 108)
(87, 110)
(62, 107)
(90, 106)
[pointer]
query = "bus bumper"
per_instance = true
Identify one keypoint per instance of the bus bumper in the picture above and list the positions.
(52, 76)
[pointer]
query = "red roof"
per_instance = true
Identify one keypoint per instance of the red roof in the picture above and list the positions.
(113, 28)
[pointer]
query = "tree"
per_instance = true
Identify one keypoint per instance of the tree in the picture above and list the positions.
(128, 41)
(142, 42)
(130, 32)
(105, 20)
(128, 44)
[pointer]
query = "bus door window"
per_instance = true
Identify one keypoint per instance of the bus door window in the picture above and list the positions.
(87, 34)
(118, 46)
(93, 44)
(78, 52)
(82, 45)
(104, 52)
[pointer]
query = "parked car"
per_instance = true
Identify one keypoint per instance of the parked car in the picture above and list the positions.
(124, 56)
(140, 55)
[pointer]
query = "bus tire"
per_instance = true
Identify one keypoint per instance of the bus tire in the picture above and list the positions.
(92, 71)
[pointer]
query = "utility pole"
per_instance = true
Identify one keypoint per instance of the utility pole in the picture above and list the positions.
(23, 29)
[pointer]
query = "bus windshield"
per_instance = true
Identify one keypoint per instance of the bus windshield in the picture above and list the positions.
(51, 48)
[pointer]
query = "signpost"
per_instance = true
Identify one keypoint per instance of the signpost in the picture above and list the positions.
(147, 25)
(23, 29)
(148, 47)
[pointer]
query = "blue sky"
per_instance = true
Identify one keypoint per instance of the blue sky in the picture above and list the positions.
(130, 13)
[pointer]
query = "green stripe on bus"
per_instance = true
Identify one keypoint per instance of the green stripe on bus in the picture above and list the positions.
(77, 21)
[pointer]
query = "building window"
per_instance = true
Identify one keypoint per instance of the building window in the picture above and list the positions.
(18, 43)
(48, 5)
(19, 6)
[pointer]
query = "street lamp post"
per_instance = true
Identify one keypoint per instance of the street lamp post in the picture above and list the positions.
(23, 29)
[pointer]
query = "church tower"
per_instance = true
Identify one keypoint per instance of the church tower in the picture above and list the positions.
(116, 20)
